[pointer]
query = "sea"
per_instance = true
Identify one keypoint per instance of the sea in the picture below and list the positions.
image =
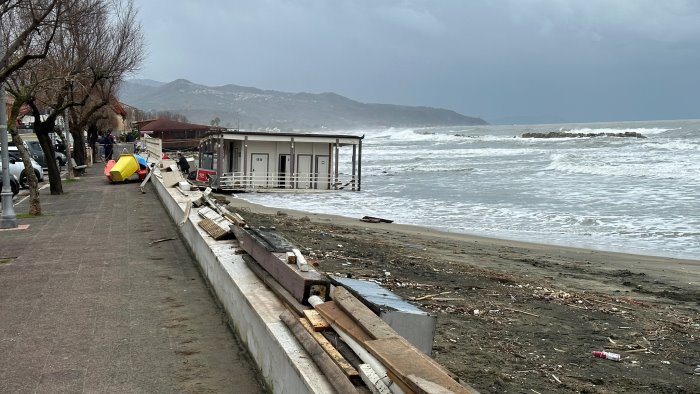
(633, 195)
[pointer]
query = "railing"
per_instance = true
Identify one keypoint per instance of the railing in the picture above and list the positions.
(273, 180)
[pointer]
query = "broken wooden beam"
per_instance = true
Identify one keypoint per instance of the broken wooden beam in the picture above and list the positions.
(270, 251)
(335, 375)
(316, 320)
(332, 352)
(276, 288)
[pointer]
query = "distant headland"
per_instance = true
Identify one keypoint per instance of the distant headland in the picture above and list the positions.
(248, 107)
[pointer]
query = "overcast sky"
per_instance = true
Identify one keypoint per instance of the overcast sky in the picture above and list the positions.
(588, 60)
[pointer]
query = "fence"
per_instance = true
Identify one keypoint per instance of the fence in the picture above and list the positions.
(274, 180)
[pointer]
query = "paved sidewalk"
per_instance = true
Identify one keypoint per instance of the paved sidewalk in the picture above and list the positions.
(89, 304)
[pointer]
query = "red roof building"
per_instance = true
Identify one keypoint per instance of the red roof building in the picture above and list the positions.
(175, 135)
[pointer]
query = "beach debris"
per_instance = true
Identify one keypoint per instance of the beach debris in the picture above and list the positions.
(161, 240)
(606, 355)
(300, 261)
(523, 312)
(217, 226)
(373, 219)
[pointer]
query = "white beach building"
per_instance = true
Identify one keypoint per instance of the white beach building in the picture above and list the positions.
(236, 160)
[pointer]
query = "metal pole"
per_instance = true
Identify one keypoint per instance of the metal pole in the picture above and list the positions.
(9, 218)
(66, 133)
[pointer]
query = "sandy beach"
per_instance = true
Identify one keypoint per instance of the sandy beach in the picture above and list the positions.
(521, 317)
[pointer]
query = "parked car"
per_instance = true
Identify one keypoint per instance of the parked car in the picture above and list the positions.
(14, 184)
(17, 167)
(37, 153)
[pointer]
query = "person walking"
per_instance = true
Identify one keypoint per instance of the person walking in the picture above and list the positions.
(183, 164)
(108, 142)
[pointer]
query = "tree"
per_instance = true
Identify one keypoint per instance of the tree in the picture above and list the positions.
(27, 28)
(113, 46)
(97, 44)
(26, 33)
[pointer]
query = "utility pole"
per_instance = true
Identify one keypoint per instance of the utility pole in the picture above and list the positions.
(9, 218)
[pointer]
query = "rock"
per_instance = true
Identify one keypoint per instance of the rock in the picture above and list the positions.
(565, 134)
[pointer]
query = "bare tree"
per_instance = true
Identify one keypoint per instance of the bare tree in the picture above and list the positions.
(98, 43)
(28, 28)
(114, 48)
(26, 33)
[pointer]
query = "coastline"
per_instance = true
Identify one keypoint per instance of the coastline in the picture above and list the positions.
(680, 270)
(511, 314)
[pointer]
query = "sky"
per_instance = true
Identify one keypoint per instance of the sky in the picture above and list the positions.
(559, 60)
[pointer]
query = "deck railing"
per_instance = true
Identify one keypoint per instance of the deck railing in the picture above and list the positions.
(273, 180)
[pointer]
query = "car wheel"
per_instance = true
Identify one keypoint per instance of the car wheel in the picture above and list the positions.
(23, 180)
(15, 187)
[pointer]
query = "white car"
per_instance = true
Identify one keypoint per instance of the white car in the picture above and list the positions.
(17, 167)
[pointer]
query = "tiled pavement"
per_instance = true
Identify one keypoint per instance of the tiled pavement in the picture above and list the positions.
(89, 303)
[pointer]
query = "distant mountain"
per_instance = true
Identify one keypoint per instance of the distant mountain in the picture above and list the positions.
(245, 106)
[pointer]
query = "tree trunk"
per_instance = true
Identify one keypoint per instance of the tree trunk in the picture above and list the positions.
(42, 131)
(32, 181)
(78, 150)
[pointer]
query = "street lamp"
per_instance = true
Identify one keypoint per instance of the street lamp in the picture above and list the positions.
(9, 218)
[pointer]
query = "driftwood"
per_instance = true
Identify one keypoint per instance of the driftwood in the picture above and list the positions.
(372, 219)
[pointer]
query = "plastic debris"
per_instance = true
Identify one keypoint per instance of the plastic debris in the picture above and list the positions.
(607, 355)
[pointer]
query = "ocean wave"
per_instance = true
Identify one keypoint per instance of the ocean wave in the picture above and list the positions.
(635, 166)
(429, 135)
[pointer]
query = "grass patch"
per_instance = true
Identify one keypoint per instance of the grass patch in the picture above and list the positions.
(26, 216)
(72, 180)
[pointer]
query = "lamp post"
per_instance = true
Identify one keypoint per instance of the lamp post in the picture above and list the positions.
(9, 218)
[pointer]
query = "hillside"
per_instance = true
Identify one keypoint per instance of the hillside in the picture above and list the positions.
(239, 105)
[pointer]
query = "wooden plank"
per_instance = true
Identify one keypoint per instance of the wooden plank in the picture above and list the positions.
(276, 288)
(213, 229)
(404, 360)
(316, 320)
(335, 376)
(373, 324)
(300, 260)
(332, 352)
(426, 387)
(334, 315)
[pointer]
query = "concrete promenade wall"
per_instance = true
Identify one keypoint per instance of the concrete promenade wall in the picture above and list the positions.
(253, 310)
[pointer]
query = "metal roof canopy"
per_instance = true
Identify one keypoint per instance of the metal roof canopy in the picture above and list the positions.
(342, 139)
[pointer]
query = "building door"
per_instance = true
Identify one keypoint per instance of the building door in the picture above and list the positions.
(322, 168)
(259, 169)
(283, 174)
(304, 172)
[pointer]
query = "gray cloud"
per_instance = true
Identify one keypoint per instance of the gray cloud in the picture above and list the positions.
(577, 60)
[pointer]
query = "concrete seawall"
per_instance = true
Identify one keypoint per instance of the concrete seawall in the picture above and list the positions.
(253, 310)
